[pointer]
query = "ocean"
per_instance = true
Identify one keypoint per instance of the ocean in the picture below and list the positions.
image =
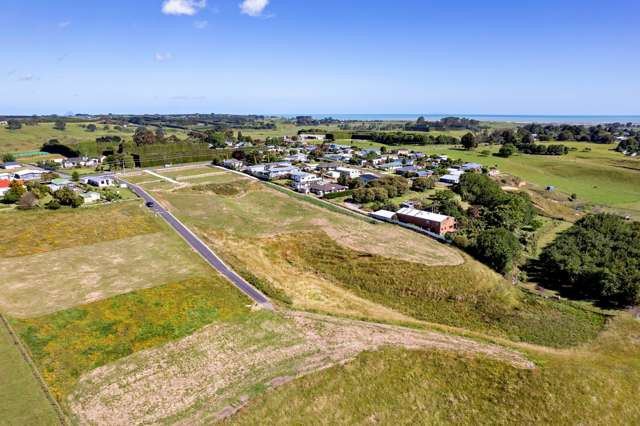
(564, 119)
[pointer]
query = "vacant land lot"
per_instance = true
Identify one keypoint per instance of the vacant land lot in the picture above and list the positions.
(239, 218)
(69, 343)
(22, 400)
(330, 262)
(47, 282)
(26, 233)
(596, 384)
(208, 375)
(601, 176)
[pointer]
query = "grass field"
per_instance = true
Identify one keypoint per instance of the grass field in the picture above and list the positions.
(596, 385)
(30, 138)
(601, 176)
(329, 262)
(208, 375)
(22, 400)
(47, 282)
(68, 343)
(33, 232)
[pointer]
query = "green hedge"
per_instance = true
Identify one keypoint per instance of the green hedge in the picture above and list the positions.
(338, 195)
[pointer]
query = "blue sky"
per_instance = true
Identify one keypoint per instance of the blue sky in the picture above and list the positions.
(313, 56)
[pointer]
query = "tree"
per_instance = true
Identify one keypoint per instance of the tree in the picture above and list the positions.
(498, 248)
(16, 190)
(14, 125)
(144, 136)
(8, 157)
(91, 127)
(67, 197)
(422, 184)
(60, 125)
(469, 141)
(507, 150)
(27, 201)
(160, 135)
(597, 258)
(75, 176)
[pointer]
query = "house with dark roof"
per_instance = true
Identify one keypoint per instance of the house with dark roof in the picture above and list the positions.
(324, 188)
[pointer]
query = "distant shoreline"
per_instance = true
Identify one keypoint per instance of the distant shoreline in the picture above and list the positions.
(518, 119)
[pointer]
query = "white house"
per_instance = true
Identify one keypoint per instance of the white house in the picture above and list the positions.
(350, 173)
(90, 197)
(304, 178)
(98, 181)
(450, 179)
(233, 164)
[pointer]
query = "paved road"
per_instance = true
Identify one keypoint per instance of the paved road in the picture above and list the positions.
(202, 249)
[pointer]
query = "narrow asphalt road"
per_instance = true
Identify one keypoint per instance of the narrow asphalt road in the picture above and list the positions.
(202, 249)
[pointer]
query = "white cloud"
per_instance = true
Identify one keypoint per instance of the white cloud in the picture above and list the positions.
(64, 24)
(201, 25)
(253, 7)
(162, 57)
(183, 7)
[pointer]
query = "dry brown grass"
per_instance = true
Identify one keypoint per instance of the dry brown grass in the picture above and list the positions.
(48, 282)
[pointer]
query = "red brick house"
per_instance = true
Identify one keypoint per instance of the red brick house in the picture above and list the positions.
(434, 222)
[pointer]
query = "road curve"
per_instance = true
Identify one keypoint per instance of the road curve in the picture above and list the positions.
(202, 249)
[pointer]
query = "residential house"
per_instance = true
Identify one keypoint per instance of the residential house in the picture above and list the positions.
(424, 173)
(328, 166)
(313, 137)
(472, 167)
(390, 167)
(348, 172)
(322, 188)
(368, 178)
(338, 157)
(99, 181)
(273, 172)
(10, 165)
(407, 170)
(90, 197)
(28, 174)
(233, 164)
(304, 178)
(434, 222)
(4, 186)
(297, 158)
(450, 179)
(80, 162)
(403, 152)
(57, 184)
